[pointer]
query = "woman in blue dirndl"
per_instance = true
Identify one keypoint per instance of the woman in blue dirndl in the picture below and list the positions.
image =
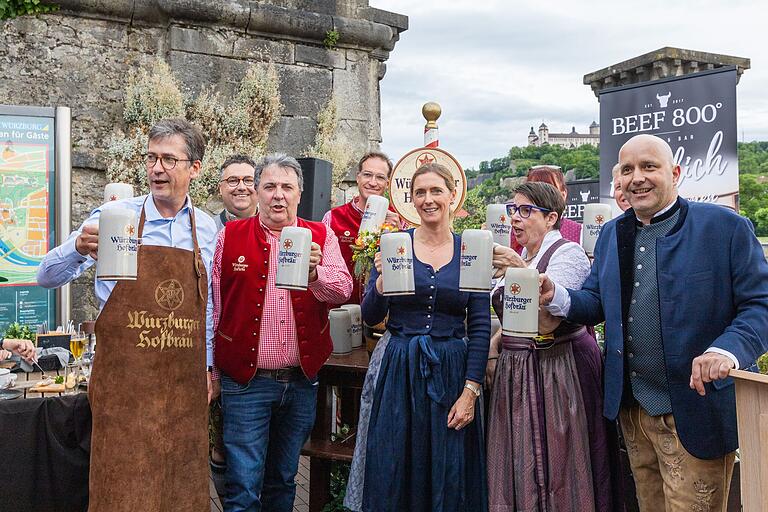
(424, 447)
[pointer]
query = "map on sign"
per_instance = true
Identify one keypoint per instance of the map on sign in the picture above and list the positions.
(27, 172)
(23, 208)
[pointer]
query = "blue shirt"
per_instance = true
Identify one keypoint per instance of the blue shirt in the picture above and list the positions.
(438, 308)
(63, 264)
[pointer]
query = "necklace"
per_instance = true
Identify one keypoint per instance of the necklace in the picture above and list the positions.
(531, 258)
(433, 249)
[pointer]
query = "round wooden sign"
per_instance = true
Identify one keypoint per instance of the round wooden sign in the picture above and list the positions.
(400, 183)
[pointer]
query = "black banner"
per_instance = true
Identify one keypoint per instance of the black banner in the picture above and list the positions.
(695, 114)
(580, 192)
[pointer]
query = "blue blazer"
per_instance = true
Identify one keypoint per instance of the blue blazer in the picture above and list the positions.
(713, 292)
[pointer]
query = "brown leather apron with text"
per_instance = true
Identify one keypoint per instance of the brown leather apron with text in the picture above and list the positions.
(149, 446)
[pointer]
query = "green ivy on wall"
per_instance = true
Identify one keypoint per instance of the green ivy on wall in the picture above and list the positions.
(13, 8)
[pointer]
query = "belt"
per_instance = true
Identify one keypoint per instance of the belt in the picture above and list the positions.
(282, 374)
(540, 342)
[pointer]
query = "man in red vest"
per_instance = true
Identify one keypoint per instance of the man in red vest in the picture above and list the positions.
(373, 172)
(269, 343)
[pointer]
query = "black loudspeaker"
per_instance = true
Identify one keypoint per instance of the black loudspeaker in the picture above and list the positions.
(316, 197)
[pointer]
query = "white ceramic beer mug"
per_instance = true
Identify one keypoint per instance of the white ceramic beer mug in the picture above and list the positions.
(375, 214)
(357, 324)
(117, 191)
(595, 217)
(397, 264)
(341, 330)
(293, 258)
(521, 303)
(476, 263)
(497, 220)
(118, 245)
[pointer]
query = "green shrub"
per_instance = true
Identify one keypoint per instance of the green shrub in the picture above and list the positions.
(13, 8)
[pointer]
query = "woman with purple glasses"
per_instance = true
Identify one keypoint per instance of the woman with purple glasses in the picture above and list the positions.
(547, 440)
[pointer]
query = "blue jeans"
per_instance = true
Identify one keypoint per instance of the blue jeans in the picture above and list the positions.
(265, 425)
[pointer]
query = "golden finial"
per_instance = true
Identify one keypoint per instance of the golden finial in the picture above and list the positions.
(431, 111)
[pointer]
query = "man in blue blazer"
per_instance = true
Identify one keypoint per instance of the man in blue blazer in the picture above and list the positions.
(683, 290)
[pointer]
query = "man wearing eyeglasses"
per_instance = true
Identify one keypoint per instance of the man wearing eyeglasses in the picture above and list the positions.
(237, 191)
(683, 290)
(373, 171)
(149, 443)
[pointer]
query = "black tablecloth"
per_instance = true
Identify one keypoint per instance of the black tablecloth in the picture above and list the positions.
(45, 446)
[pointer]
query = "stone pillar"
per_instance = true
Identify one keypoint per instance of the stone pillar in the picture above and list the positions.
(662, 63)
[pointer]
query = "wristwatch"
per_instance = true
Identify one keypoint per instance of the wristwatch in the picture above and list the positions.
(473, 388)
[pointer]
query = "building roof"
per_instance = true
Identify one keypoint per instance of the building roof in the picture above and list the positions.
(594, 125)
(574, 135)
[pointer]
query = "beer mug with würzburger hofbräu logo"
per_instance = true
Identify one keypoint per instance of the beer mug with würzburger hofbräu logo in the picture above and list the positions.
(118, 245)
(374, 215)
(595, 217)
(397, 264)
(521, 303)
(476, 263)
(357, 323)
(499, 223)
(293, 258)
(117, 191)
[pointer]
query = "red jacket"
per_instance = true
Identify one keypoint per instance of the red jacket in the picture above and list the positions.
(345, 222)
(244, 267)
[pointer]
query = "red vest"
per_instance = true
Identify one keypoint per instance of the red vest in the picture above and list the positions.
(244, 268)
(345, 222)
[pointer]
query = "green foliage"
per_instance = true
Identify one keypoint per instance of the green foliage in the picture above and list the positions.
(331, 39)
(18, 331)
(762, 363)
(753, 201)
(339, 474)
(753, 157)
(585, 160)
(329, 143)
(240, 125)
(13, 8)
(474, 205)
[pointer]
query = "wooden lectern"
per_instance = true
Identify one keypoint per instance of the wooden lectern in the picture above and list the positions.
(752, 415)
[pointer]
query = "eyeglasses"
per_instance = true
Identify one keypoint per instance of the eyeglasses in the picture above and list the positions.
(368, 176)
(524, 209)
(167, 162)
(234, 181)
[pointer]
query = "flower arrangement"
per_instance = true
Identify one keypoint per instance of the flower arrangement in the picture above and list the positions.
(366, 246)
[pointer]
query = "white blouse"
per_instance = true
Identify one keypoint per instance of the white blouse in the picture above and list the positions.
(568, 266)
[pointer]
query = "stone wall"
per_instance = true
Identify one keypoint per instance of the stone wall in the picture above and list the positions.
(80, 57)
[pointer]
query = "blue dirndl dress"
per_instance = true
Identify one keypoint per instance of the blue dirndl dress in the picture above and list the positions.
(413, 461)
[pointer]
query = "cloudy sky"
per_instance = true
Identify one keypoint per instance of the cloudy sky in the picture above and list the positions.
(499, 67)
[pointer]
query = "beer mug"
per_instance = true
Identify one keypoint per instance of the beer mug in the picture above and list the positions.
(117, 191)
(397, 264)
(341, 330)
(497, 220)
(476, 264)
(357, 324)
(293, 258)
(521, 303)
(375, 214)
(118, 245)
(595, 217)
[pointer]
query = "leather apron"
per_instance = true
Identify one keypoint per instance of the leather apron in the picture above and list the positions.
(148, 394)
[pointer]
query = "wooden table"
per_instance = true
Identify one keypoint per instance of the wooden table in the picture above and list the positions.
(346, 372)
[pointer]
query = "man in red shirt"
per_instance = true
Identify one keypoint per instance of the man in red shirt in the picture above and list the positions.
(373, 172)
(269, 343)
